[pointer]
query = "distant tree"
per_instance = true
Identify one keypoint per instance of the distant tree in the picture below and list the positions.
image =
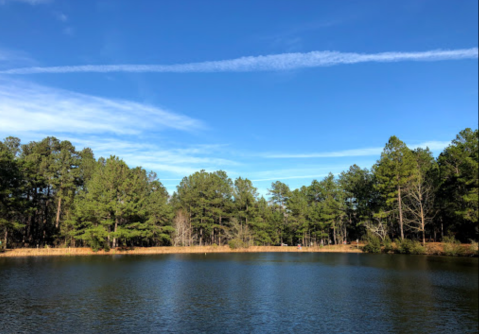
(419, 193)
(10, 191)
(458, 192)
(394, 170)
(280, 193)
(360, 196)
(245, 196)
(299, 210)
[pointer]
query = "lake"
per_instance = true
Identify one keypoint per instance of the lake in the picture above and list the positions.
(239, 293)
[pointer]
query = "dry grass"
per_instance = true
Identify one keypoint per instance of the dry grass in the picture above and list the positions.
(21, 252)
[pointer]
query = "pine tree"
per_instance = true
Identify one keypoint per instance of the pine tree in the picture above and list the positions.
(393, 171)
(280, 193)
(458, 192)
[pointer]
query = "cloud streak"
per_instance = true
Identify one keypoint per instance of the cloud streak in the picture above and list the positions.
(291, 177)
(26, 107)
(127, 129)
(30, 2)
(432, 145)
(278, 62)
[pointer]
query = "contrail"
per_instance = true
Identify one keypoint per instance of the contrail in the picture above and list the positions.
(278, 62)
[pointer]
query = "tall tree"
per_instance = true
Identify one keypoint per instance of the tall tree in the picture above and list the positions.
(458, 193)
(419, 193)
(394, 170)
(360, 197)
(66, 174)
(245, 196)
(10, 191)
(280, 193)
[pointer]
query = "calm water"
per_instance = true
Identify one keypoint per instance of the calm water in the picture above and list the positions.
(239, 293)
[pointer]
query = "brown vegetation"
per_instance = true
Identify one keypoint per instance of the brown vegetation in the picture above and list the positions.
(19, 252)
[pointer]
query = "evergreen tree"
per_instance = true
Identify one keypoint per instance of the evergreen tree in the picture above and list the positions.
(10, 188)
(458, 192)
(394, 170)
(280, 193)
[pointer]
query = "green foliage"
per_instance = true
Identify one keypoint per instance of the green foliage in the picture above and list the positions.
(388, 245)
(393, 172)
(458, 198)
(51, 193)
(373, 244)
(408, 246)
(452, 247)
(237, 243)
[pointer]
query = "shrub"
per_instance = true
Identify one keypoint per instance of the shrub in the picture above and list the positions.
(433, 250)
(452, 247)
(214, 245)
(474, 248)
(388, 245)
(95, 245)
(236, 243)
(407, 246)
(373, 244)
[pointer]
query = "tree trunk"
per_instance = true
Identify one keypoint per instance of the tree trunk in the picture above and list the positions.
(334, 233)
(423, 227)
(400, 214)
(116, 226)
(59, 207)
(219, 237)
(5, 238)
(191, 230)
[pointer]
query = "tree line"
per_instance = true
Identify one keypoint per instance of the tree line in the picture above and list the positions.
(52, 194)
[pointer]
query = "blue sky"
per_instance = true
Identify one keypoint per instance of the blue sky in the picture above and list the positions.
(268, 90)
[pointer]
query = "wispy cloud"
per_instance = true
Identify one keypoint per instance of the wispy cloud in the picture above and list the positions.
(26, 107)
(10, 58)
(432, 145)
(291, 177)
(151, 156)
(30, 2)
(61, 17)
(68, 31)
(110, 127)
(278, 62)
(337, 154)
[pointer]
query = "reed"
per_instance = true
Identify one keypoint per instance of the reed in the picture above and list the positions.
(23, 252)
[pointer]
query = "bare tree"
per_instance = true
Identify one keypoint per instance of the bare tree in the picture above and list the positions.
(378, 225)
(240, 231)
(419, 205)
(183, 231)
(420, 193)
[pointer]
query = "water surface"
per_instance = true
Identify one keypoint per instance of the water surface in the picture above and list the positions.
(239, 293)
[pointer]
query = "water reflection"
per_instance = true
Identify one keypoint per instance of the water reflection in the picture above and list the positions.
(245, 293)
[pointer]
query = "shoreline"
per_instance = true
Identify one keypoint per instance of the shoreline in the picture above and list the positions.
(84, 251)
(432, 249)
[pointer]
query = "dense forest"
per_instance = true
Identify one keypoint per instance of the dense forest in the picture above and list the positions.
(54, 195)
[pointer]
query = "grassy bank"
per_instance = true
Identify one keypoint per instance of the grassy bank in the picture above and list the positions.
(19, 252)
(433, 248)
(414, 247)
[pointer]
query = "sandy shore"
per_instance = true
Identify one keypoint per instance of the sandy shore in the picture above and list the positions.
(20, 252)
